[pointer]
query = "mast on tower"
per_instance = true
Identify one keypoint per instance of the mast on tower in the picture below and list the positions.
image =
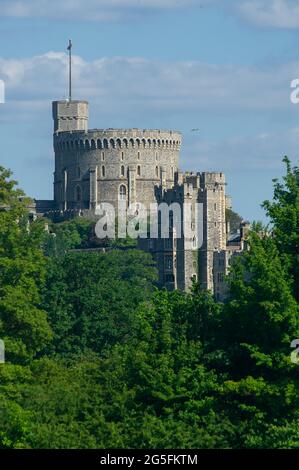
(70, 68)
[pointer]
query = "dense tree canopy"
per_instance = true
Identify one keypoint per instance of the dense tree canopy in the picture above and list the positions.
(98, 357)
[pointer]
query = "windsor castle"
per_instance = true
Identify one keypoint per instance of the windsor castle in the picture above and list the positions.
(94, 166)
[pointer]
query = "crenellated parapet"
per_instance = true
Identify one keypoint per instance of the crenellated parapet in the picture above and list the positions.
(108, 165)
(105, 139)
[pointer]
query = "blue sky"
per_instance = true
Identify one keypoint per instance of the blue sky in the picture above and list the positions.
(223, 66)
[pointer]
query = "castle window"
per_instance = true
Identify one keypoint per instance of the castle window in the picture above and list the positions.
(103, 171)
(157, 171)
(215, 206)
(169, 278)
(103, 156)
(138, 170)
(78, 194)
(122, 193)
(122, 155)
(78, 172)
(168, 262)
(122, 170)
(168, 244)
(138, 156)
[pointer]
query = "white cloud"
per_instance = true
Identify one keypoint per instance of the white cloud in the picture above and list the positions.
(270, 13)
(247, 153)
(137, 92)
(96, 10)
(264, 13)
(165, 86)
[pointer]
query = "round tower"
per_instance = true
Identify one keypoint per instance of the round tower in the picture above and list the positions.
(109, 165)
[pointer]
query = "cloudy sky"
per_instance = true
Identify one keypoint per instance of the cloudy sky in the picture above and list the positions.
(221, 66)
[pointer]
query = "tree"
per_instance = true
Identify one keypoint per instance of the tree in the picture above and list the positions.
(234, 220)
(23, 324)
(284, 215)
(255, 332)
(91, 297)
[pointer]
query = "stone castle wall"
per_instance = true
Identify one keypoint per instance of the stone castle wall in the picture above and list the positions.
(91, 167)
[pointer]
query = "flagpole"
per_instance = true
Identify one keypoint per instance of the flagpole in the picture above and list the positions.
(70, 69)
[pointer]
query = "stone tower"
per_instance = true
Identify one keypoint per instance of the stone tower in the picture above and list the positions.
(212, 196)
(70, 116)
(189, 257)
(108, 165)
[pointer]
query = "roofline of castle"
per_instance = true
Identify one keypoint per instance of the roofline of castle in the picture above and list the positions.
(112, 129)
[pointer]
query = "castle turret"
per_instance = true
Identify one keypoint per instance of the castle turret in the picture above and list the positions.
(212, 196)
(70, 116)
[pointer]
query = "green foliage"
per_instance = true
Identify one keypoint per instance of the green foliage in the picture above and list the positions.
(68, 235)
(234, 220)
(90, 297)
(129, 366)
(284, 215)
(23, 324)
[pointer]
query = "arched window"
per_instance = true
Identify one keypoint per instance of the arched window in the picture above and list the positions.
(138, 170)
(103, 171)
(122, 170)
(122, 193)
(78, 194)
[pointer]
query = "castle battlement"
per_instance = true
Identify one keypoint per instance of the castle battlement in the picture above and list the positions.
(118, 138)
